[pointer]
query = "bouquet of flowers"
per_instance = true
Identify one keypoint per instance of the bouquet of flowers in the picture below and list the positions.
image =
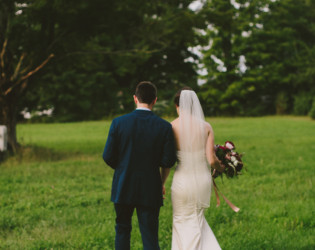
(230, 159)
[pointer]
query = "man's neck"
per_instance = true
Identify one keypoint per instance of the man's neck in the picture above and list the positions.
(144, 106)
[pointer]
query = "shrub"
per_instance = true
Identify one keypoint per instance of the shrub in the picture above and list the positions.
(312, 111)
(281, 103)
(302, 103)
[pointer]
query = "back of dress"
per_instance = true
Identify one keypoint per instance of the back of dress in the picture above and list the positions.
(192, 177)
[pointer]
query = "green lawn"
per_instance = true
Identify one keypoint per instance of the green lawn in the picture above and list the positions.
(56, 193)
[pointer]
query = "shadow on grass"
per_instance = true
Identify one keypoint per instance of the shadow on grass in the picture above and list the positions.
(36, 153)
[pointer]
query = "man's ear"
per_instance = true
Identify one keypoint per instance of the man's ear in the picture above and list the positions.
(154, 101)
(135, 99)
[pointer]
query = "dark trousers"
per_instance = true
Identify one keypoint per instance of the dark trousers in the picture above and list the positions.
(148, 222)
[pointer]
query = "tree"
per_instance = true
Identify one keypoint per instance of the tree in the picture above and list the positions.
(98, 57)
(220, 93)
(149, 43)
(279, 56)
(275, 41)
(16, 67)
(31, 31)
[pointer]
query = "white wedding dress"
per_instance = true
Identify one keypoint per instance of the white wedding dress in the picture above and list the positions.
(192, 181)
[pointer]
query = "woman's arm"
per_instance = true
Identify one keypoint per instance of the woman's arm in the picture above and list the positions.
(210, 153)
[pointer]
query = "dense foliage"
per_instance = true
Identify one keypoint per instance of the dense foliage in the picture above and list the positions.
(276, 41)
(84, 58)
(111, 46)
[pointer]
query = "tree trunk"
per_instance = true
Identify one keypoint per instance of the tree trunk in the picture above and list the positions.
(10, 95)
(9, 119)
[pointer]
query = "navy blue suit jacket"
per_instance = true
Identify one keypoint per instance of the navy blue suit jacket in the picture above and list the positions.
(138, 144)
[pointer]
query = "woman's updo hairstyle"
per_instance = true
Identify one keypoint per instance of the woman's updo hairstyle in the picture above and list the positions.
(177, 96)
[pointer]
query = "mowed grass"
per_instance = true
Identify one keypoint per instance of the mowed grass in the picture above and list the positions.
(55, 194)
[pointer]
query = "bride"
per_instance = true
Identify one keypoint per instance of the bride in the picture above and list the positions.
(192, 181)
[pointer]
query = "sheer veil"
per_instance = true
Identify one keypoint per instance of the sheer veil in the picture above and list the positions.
(192, 142)
(192, 125)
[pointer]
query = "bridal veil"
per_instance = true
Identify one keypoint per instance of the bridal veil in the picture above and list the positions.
(192, 155)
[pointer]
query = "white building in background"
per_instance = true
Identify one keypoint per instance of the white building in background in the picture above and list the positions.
(27, 115)
(3, 138)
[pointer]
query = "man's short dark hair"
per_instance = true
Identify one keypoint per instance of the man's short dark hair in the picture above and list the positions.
(146, 92)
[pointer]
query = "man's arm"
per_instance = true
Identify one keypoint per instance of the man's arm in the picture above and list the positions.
(168, 158)
(169, 150)
(164, 174)
(110, 154)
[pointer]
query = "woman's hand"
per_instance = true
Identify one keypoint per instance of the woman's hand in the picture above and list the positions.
(218, 165)
(222, 167)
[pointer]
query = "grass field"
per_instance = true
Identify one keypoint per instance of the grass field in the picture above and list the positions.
(56, 193)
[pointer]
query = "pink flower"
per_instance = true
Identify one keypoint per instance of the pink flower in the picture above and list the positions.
(229, 145)
(228, 157)
(222, 147)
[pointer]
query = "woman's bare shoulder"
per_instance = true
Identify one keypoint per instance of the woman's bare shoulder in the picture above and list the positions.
(208, 127)
(175, 122)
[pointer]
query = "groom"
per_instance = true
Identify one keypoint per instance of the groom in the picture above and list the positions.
(138, 144)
